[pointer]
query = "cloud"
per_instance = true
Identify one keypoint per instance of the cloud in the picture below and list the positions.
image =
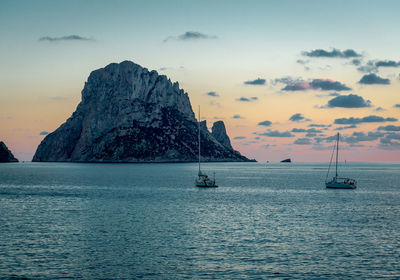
(369, 67)
(367, 119)
(346, 127)
(309, 130)
(213, 103)
(302, 62)
(303, 141)
(328, 84)
(276, 133)
(334, 53)
(378, 109)
(396, 106)
(356, 62)
(64, 38)
(387, 63)
(296, 86)
(332, 94)
(373, 79)
(212, 94)
(256, 82)
(298, 118)
(348, 101)
(361, 137)
(190, 36)
(389, 128)
(316, 84)
(237, 117)
(43, 133)
(372, 66)
(390, 141)
(285, 80)
(265, 123)
(239, 138)
(245, 99)
(319, 125)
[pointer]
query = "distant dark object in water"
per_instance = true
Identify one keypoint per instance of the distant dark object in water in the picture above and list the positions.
(5, 154)
(286, 160)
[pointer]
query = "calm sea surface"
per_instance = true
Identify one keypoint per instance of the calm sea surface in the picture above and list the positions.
(129, 221)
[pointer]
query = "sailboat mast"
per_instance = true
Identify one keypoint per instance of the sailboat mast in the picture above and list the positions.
(198, 123)
(337, 152)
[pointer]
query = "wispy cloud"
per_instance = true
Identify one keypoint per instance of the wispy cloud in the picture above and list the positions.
(265, 123)
(373, 79)
(334, 53)
(390, 141)
(298, 118)
(346, 127)
(319, 125)
(276, 133)
(247, 99)
(190, 36)
(389, 128)
(374, 65)
(303, 141)
(256, 82)
(65, 38)
(43, 133)
(309, 130)
(237, 116)
(367, 119)
(212, 94)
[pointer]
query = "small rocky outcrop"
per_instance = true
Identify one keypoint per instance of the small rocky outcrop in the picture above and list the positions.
(131, 114)
(5, 154)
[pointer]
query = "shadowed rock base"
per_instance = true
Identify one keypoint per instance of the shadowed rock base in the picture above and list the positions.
(5, 154)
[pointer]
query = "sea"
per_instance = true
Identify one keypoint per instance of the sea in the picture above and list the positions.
(149, 221)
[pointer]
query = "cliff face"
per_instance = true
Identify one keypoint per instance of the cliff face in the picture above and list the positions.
(5, 154)
(130, 114)
(219, 133)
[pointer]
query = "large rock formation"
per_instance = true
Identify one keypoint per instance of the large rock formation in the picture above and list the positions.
(5, 154)
(130, 114)
(218, 131)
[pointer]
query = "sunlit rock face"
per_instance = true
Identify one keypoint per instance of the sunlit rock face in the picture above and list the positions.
(130, 114)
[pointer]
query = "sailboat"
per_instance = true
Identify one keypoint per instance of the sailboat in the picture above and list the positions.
(202, 180)
(338, 182)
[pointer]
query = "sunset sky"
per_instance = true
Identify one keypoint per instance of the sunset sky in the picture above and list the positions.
(285, 76)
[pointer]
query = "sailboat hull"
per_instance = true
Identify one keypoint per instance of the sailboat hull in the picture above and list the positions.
(206, 186)
(337, 185)
(205, 182)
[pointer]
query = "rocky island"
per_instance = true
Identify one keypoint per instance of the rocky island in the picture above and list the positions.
(131, 114)
(5, 154)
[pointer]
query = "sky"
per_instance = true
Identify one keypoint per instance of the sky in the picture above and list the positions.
(284, 76)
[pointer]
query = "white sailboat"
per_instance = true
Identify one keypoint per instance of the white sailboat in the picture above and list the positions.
(202, 180)
(338, 182)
